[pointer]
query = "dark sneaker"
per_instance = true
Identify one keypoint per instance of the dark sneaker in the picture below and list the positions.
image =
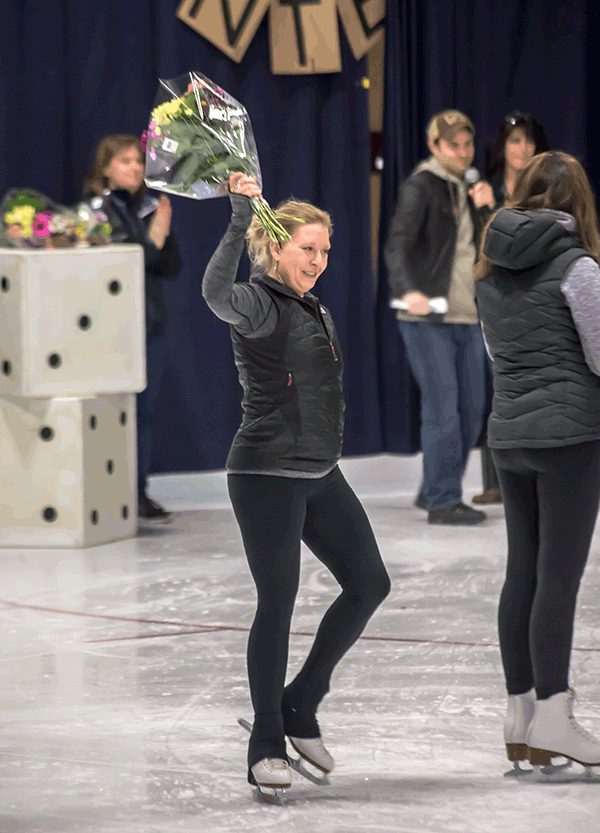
(420, 501)
(151, 512)
(489, 496)
(458, 513)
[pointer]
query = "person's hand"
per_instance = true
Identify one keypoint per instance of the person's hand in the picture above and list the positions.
(482, 194)
(417, 303)
(239, 183)
(160, 224)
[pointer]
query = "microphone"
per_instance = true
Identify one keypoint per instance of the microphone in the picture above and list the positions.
(439, 305)
(472, 177)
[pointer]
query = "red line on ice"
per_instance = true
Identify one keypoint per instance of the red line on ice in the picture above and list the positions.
(196, 628)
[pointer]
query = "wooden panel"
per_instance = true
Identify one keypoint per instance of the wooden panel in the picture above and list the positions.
(363, 21)
(229, 24)
(304, 37)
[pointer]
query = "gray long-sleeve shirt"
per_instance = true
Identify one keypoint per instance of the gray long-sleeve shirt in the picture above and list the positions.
(247, 306)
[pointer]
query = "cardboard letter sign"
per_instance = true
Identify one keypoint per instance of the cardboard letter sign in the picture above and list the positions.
(304, 37)
(229, 24)
(363, 21)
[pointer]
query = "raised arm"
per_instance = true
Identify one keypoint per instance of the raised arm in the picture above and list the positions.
(247, 306)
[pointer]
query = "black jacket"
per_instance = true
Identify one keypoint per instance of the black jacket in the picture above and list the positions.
(545, 394)
(129, 222)
(293, 398)
(420, 248)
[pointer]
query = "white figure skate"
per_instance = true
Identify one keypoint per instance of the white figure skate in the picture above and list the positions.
(313, 752)
(271, 776)
(519, 714)
(554, 732)
(314, 747)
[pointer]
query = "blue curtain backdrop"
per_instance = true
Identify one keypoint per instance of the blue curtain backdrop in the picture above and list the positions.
(485, 59)
(73, 72)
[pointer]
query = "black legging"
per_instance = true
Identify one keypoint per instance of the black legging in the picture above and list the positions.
(551, 499)
(274, 515)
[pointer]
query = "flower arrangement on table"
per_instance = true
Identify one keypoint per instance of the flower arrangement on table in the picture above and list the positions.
(30, 220)
(197, 136)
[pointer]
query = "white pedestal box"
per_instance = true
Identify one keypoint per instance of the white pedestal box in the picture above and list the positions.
(72, 321)
(68, 471)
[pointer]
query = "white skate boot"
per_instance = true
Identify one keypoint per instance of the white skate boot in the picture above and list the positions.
(313, 751)
(519, 714)
(555, 732)
(271, 776)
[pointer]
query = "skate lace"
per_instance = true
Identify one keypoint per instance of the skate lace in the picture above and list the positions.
(275, 765)
(573, 721)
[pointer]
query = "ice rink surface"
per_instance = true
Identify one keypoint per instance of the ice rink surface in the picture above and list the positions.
(122, 675)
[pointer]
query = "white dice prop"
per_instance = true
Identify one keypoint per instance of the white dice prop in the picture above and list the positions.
(68, 471)
(72, 322)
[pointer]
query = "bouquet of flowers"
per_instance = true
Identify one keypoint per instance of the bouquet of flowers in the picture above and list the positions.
(198, 135)
(30, 220)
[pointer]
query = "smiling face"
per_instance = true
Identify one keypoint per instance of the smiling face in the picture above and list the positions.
(302, 259)
(125, 170)
(456, 154)
(519, 149)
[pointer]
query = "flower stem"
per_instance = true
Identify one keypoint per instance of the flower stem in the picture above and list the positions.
(269, 221)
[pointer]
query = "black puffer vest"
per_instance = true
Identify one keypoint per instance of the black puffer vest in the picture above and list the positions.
(545, 394)
(293, 399)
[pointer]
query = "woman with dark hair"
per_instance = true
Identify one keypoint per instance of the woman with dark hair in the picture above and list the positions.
(115, 184)
(538, 293)
(516, 142)
(518, 139)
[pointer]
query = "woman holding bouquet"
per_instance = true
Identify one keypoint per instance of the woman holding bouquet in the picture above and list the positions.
(115, 184)
(283, 478)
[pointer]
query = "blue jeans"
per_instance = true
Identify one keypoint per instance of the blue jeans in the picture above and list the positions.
(146, 404)
(448, 363)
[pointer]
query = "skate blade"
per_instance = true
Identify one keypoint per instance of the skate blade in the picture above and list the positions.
(270, 795)
(554, 773)
(299, 766)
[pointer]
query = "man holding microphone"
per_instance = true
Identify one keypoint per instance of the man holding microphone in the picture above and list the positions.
(430, 253)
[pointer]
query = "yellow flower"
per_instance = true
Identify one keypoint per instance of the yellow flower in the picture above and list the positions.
(168, 111)
(23, 215)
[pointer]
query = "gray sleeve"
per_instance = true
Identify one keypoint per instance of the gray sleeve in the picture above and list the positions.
(581, 288)
(245, 305)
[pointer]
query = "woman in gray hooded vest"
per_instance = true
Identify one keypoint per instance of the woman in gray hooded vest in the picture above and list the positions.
(538, 294)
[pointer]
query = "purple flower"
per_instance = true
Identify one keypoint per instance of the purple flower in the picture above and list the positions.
(144, 139)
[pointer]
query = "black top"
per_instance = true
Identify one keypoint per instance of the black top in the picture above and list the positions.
(289, 361)
(422, 241)
(545, 393)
